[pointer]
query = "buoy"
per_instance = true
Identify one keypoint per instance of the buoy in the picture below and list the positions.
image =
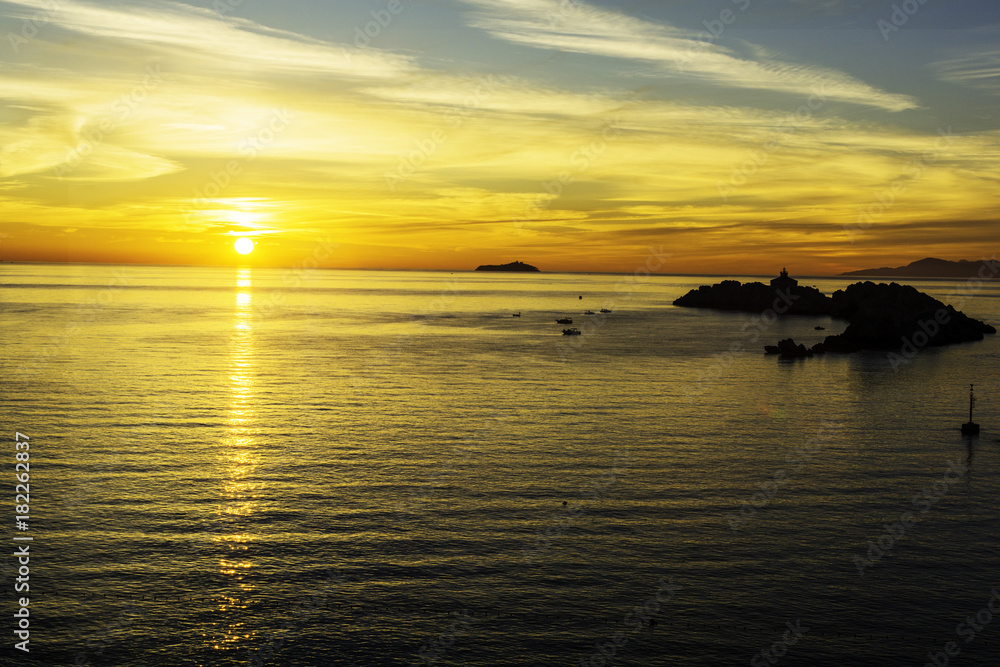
(970, 427)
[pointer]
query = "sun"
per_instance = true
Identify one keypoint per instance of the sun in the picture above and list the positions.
(243, 245)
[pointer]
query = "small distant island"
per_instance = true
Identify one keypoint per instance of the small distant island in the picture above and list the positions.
(512, 266)
(932, 267)
(879, 316)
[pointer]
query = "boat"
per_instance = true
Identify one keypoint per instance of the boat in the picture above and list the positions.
(565, 320)
(605, 310)
(820, 328)
(515, 314)
(970, 427)
(589, 312)
(572, 331)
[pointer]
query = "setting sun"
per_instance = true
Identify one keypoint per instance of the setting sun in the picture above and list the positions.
(633, 263)
(244, 246)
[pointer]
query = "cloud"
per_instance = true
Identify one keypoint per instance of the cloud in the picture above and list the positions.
(114, 163)
(505, 94)
(977, 70)
(581, 28)
(230, 41)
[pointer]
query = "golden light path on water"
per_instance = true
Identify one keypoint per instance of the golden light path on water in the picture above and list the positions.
(239, 459)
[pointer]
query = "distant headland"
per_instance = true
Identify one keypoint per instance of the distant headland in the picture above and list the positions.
(512, 266)
(879, 316)
(931, 267)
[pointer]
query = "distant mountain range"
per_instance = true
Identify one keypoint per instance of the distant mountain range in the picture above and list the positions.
(931, 267)
(513, 266)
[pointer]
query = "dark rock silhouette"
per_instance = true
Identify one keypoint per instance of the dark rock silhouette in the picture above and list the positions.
(512, 266)
(789, 350)
(888, 317)
(784, 296)
(879, 316)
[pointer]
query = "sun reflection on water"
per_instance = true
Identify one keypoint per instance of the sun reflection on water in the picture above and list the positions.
(239, 458)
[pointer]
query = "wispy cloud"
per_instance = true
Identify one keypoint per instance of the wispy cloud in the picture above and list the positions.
(231, 41)
(978, 70)
(581, 28)
(478, 156)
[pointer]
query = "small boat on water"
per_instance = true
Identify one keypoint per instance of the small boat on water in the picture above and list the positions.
(565, 320)
(605, 310)
(515, 314)
(589, 312)
(572, 331)
(820, 328)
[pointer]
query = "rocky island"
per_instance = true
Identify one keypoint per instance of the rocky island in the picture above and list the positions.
(888, 317)
(879, 316)
(512, 266)
(784, 296)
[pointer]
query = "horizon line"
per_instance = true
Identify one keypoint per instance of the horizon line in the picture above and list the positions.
(610, 273)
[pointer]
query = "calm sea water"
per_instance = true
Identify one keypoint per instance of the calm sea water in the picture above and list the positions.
(240, 467)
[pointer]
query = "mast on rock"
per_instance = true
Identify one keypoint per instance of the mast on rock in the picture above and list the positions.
(971, 427)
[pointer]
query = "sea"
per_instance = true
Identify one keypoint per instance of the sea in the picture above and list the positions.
(247, 466)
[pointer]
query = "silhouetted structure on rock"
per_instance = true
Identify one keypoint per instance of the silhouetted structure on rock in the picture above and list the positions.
(879, 316)
(783, 281)
(784, 296)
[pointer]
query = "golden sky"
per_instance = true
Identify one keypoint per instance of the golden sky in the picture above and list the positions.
(738, 135)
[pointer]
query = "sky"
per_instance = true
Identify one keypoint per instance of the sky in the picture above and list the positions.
(732, 136)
